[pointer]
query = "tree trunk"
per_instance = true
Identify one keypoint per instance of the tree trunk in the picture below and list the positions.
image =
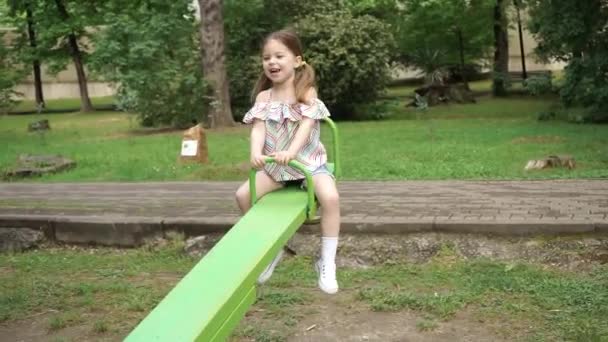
(521, 41)
(85, 101)
(213, 58)
(462, 64)
(501, 50)
(36, 64)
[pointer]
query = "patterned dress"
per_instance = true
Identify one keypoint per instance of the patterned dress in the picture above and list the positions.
(282, 121)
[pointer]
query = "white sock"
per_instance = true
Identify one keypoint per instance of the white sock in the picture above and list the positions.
(329, 246)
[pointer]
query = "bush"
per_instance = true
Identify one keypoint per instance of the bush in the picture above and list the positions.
(152, 53)
(585, 85)
(473, 72)
(170, 98)
(244, 40)
(350, 55)
(539, 85)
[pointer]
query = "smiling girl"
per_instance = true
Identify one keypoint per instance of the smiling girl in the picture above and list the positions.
(285, 118)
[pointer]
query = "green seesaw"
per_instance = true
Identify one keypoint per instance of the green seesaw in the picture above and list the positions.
(208, 303)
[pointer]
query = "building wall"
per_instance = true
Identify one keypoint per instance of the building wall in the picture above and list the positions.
(532, 63)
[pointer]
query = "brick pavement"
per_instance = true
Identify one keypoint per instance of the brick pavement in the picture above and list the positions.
(501, 207)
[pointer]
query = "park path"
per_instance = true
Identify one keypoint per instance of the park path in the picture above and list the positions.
(500, 207)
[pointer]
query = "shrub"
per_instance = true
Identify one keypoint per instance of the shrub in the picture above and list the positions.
(350, 55)
(539, 85)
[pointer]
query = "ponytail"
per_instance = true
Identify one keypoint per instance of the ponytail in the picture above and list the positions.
(304, 80)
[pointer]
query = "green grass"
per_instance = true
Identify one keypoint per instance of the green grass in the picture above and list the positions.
(66, 105)
(521, 299)
(109, 291)
(492, 139)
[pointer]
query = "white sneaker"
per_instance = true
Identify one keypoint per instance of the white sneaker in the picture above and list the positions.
(327, 276)
(267, 273)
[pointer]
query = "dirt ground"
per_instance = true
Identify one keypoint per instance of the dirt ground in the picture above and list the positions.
(327, 318)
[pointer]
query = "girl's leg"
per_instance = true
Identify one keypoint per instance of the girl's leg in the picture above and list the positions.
(263, 185)
(327, 194)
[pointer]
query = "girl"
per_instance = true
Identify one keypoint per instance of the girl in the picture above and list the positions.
(285, 118)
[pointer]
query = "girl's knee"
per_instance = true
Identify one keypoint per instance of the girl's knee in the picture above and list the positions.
(331, 199)
(242, 194)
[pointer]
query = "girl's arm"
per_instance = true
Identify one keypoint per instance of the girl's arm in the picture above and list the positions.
(258, 136)
(302, 136)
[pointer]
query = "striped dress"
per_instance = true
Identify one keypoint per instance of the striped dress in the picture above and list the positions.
(282, 122)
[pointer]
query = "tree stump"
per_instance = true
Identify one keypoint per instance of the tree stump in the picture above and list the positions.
(565, 161)
(42, 125)
(29, 165)
(436, 94)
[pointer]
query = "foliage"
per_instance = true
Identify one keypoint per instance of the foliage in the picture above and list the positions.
(431, 64)
(539, 85)
(4, 17)
(151, 51)
(53, 29)
(63, 29)
(575, 32)
(11, 74)
(351, 55)
(433, 27)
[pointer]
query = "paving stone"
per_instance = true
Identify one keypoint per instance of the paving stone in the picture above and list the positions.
(107, 211)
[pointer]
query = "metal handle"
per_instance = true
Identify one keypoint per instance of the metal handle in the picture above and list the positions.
(336, 150)
(311, 209)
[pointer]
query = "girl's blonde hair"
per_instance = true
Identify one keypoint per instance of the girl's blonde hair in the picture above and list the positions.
(305, 74)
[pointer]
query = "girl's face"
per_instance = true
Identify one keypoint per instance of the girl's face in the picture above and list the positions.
(279, 62)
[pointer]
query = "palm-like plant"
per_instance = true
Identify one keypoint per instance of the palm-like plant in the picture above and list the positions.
(432, 65)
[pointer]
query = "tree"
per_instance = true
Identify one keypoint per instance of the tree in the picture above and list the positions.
(501, 49)
(213, 62)
(456, 32)
(60, 35)
(575, 32)
(75, 52)
(518, 7)
(17, 9)
(151, 52)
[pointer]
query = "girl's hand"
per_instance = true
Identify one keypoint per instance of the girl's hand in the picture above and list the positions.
(283, 157)
(258, 161)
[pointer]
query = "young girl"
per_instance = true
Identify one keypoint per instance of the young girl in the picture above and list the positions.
(285, 118)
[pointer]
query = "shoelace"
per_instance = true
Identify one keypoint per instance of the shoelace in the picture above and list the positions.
(324, 273)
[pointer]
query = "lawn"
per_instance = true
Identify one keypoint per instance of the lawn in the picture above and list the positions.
(492, 139)
(70, 294)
